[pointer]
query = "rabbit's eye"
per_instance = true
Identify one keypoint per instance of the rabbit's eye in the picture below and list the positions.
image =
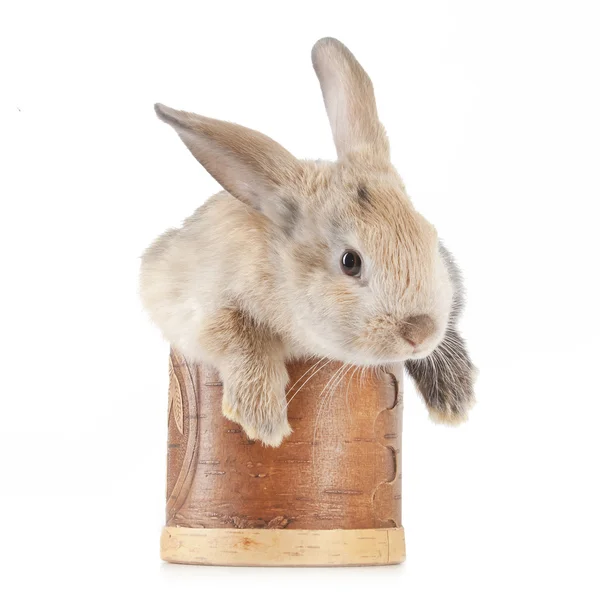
(351, 263)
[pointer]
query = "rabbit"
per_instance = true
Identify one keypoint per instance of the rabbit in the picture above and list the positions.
(300, 258)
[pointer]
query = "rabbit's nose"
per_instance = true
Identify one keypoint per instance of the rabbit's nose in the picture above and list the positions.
(415, 330)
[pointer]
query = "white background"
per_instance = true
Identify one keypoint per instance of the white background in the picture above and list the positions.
(492, 109)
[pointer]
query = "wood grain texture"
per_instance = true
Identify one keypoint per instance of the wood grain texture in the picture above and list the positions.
(339, 470)
(283, 547)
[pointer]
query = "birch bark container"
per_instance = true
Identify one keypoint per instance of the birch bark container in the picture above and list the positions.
(329, 495)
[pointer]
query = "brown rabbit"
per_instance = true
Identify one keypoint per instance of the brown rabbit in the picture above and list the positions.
(307, 258)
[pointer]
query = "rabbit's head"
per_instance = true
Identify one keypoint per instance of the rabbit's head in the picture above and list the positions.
(359, 269)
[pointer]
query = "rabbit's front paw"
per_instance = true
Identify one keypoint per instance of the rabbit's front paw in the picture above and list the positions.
(260, 409)
(271, 431)
(451, 413)
(446, 379)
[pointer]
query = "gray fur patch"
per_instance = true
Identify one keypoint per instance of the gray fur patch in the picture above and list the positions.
(293, 216)
(287, 214)
(445, 378)
(363, 195)
(458, 299)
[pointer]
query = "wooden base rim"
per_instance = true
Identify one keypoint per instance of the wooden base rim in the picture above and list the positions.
(283, 547)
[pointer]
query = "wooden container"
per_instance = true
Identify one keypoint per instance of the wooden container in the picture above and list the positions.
(329, 495)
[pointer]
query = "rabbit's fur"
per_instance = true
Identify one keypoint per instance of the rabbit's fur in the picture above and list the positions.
(253, 277)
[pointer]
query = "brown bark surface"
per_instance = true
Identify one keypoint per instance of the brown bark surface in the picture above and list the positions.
(340, 469)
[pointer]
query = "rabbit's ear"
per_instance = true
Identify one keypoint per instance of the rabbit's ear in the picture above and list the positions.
(350, 102)
(249, 165)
